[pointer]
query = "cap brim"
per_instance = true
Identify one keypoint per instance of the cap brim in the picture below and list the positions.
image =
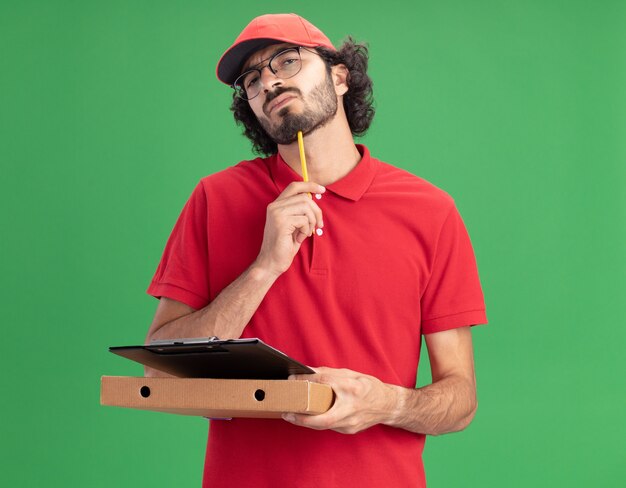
(232, 61)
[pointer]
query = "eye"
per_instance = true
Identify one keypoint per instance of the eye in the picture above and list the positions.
(251, 80)
(286, 61)
(289, 60)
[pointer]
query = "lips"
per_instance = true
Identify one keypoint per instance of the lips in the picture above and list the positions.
(279, 101)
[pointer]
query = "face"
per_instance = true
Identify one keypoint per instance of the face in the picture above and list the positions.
(304, 102)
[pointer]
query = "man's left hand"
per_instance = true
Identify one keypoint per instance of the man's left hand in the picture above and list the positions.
(360, 401)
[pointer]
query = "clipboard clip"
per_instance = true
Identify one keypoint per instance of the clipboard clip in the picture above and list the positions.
(185, 340)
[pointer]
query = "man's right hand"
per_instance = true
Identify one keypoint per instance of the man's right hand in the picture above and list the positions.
(291, 218)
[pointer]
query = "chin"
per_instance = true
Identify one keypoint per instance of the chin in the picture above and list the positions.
(283, 111)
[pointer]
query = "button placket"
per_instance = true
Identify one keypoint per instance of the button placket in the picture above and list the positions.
(319, 265)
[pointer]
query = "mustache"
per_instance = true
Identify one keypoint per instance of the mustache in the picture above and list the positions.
(279, 91)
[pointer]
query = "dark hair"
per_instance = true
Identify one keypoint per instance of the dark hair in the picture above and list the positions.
(357, 102)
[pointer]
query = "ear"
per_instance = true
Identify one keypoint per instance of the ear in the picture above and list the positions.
(340, 73)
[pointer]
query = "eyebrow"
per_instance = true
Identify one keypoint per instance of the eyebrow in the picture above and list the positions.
(277, 50)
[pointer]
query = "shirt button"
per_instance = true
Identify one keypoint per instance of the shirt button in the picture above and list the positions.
(319, 232)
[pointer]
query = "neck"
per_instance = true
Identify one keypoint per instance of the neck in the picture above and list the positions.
(330, 152)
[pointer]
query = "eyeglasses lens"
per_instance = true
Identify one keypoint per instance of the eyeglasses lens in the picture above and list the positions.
(284, 65)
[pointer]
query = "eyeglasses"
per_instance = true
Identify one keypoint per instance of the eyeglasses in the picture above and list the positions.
(284, 64)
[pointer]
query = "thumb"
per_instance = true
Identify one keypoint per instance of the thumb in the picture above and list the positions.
(300, 237)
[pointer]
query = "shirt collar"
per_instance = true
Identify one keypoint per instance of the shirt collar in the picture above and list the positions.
(352, 186)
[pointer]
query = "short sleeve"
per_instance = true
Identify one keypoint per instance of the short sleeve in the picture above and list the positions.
(453, 296)
(182, 274)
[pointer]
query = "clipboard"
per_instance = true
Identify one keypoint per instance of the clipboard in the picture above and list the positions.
(214, 358)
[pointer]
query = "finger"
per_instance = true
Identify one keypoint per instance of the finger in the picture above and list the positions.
(330, 419)
(307, 210)
(322, 375)
(304, 377)
(317, 211)
(301, 227)
(304, 187)
(295, 202)
(287, 221)
(317, 422)
(297, 205)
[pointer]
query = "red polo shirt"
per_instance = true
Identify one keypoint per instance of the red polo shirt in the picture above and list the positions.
(394, 262)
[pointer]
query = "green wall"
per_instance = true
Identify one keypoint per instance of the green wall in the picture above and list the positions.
(109, 115)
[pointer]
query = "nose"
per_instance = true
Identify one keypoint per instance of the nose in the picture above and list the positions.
(268, 79)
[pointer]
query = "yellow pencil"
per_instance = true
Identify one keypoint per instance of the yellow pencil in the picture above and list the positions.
(305, 175)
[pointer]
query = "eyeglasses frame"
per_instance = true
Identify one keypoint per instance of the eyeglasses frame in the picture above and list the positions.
(269, 65)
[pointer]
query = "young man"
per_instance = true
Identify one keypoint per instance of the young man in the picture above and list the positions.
(345, 272)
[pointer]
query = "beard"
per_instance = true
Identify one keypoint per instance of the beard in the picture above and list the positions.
(321, 109)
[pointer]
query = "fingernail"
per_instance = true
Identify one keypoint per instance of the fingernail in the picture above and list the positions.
(322, 189)
(289, 417)
(321, 224)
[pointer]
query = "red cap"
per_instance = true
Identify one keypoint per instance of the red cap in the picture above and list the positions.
(264, 31)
